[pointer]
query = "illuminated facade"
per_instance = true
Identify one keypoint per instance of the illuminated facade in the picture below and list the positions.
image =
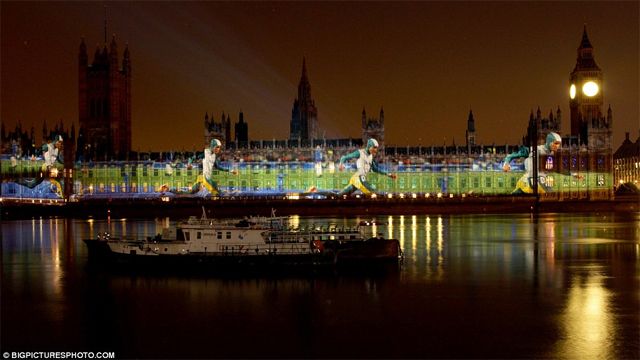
(627, 162)
(581, 169)
(104, 102)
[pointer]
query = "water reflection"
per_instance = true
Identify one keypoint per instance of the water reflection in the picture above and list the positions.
(587, 319)
(556, 285)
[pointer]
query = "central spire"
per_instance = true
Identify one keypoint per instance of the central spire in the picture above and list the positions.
(585, 43)
(585, 60)
(304, 115)
(304, 87)
(304, 68)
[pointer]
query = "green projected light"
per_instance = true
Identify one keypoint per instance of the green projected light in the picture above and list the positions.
(258, 178)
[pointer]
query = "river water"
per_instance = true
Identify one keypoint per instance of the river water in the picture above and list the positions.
(470, 286)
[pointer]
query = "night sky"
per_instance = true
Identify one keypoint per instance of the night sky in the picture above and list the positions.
(426, 63)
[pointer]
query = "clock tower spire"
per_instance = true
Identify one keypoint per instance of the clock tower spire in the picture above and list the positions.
(586, 99)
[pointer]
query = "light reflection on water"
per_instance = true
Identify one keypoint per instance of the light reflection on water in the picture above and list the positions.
(558, 285)
(587, 319)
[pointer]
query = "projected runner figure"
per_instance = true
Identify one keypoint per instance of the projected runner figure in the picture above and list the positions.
(210, 162)
(53, 163)
(365, 163)
(525, 183)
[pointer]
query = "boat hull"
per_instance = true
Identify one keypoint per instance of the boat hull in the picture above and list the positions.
(331, 252)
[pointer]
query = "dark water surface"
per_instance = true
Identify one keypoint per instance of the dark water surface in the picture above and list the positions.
(471, 286)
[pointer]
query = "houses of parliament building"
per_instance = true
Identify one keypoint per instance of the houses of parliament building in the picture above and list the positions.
(105, 128)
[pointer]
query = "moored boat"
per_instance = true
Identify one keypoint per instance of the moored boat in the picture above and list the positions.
(247, 242)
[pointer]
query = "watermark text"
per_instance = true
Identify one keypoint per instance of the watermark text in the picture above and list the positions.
(58, 355)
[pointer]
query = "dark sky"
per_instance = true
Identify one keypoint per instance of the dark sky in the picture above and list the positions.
(426, 63)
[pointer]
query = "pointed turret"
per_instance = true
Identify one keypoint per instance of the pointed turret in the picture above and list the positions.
(113, 48)
(96, 56)
(104, 56)
(585, 43)
(364, 118)
(44, 130)
(304, 69)
(381, 116)
(82, 54)
(126, 61)
(471, 122)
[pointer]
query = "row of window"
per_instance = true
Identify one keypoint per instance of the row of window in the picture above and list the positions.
(445, 184)
(187, 235)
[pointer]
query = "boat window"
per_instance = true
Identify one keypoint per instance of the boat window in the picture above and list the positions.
(199, 235)
(187, 236)
(228, 234)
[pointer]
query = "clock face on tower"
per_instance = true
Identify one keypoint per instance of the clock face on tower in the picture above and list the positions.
(572, 91)
(590, 88)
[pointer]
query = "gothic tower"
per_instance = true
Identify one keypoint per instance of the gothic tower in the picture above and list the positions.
(373, 128)
(542, 126)
(104, 102)
(471, 130)
(304, 115)
(217, 130)
(242, 132)
(588, 124)
(586, 100)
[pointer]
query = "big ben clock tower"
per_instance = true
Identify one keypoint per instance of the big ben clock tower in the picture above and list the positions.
(586, 100)
(590, 127)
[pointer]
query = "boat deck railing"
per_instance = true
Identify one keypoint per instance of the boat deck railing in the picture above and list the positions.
(266, 249)
(248, 222)
(311, 234)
